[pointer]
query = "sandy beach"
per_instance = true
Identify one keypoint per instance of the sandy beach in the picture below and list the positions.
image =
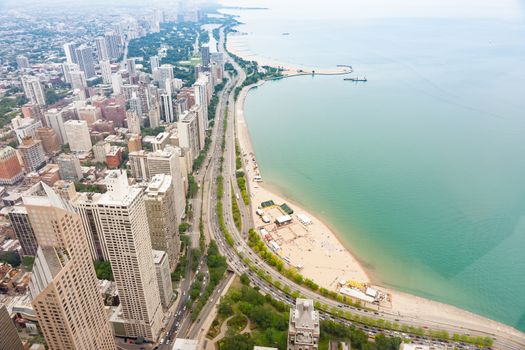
(326, 260)
(323, 258)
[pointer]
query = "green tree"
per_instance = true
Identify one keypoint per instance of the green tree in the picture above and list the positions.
(103, 270)
(245, 279)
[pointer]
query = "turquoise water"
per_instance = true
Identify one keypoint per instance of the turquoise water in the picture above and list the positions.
(421, 169)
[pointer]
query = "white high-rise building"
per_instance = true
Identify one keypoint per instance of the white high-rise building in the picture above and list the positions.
(85, 60)
(71, 55)
(154, 62)
(116, 83)
(67, 68)
(33, 90)
(133, 120)
(105, 68)
(113, 43)
(162, 269)
(78, 79)
(102, 48)
(154, 115)
(139, 165)
(167, 162)
(201, 99)
(25, 127)
(166, 108)
(55, 120)
(131, 66)
(69, 167)
(160, 208)
(188, 130)
(121, 216)
(77, 132)
(162, 73)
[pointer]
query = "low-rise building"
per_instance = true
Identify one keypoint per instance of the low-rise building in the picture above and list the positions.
(185, 344)
(303, 327)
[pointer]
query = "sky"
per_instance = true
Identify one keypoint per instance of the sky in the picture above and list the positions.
(500, 9)
(323, 9)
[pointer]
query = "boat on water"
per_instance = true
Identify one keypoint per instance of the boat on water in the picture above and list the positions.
(357, 79)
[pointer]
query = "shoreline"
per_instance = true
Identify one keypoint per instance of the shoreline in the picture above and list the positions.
(288, 70)
(307, 236)
(413, 306)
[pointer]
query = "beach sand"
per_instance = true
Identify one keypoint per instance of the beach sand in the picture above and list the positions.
(313, 247)
(326, 261)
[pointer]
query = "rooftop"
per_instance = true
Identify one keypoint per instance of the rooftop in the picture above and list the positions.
(185, 344)
(158, 255)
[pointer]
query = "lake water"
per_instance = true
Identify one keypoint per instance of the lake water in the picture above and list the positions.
(421, 169)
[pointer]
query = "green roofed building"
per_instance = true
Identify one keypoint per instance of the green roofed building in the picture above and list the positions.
(267, 204)
(286, 209)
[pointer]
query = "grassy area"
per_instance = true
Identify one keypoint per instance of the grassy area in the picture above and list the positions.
(268, 320)
(236, 212)
(217, 268)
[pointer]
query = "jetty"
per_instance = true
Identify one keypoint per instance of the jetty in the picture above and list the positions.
(357, 79)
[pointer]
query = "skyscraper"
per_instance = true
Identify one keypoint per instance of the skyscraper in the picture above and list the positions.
(166, 108)
(84, 56)
(188, 129)
(166, 161)
(25, 127)
(10, 169)
(49, 139)
(205, 55)
(131, 66)
(133, 121)
(78, 135)
(71, 55)
(116, 83)
(78, 79)
(160, 209)
(32, 154)
(121, 216)
(154, 62)
(63, 284)
(162, 270)
(201, 99)
(113, 44)
(33, 90)
(9, 340)
(163, 73)
(55, 120)
(69, 167)
(102, 48)
(23, 230)
(105, 68)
